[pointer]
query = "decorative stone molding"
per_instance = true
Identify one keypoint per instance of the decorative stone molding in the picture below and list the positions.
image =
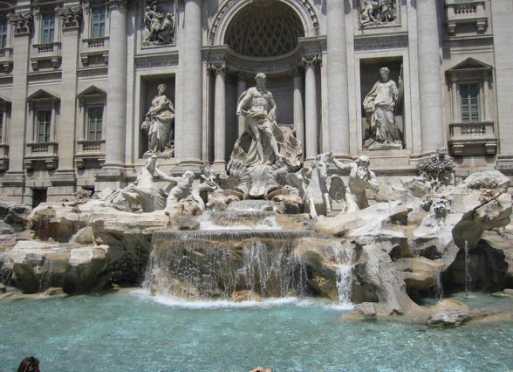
(161, 60)
(22, 23)
(71, 18)
(381, 42)
(229, 8)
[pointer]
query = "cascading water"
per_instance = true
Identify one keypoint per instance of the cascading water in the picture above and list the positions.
(344, 264)
(216, 264)
(468, 276)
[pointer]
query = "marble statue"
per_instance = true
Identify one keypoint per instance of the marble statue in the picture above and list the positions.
(438, 170)
(144, 194)
(160, 26)
(257, 105)
(264, 149)
(379, 105)
(184, 196)
(375, 12)
(158, 122)
(361, 178)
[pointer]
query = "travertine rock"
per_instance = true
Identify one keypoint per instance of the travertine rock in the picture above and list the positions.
(490, 179)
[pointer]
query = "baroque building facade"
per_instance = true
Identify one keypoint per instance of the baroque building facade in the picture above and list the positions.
(89, 88)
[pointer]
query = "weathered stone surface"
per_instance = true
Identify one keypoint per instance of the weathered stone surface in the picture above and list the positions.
(490, 179)
(449, 318)
(37, 266)
(14, 215)
(419, 273)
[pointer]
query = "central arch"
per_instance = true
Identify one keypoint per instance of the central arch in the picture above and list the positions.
(229, 11)
(264, 30)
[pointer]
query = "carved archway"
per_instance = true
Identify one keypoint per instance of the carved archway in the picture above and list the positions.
(228, 11)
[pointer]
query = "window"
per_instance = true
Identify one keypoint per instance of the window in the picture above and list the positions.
(94, 123)
(97, 22)
(43, 123)
(3, 32)
(470, 101)
(47, 28)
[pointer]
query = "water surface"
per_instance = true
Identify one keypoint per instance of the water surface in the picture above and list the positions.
(130, 332)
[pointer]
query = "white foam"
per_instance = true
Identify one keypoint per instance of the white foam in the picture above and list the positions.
(182, 303)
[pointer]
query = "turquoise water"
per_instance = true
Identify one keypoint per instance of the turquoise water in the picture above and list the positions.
(128, 332)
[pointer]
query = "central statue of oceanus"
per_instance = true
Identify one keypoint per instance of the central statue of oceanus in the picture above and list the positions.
(264, 147)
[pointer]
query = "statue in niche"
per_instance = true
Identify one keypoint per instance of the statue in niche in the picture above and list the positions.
(264, 149)
(379, 105)
(257, 105)
(376, 12)
(158, 122)
(159, 26)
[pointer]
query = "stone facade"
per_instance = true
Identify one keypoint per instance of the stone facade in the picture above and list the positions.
(77, 79)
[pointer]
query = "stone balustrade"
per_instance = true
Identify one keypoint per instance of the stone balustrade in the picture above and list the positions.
(89, 151)
(466, 12)
(473, 138)
(45, 153)
(46, 55)
(6, 60)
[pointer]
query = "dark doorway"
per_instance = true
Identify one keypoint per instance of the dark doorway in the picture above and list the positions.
(39, 196)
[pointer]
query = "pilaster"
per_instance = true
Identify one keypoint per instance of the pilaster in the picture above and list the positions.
(311, 110)
(219, 115)
(430, 81)
(22, 23)
(189, 131)
(338, 114)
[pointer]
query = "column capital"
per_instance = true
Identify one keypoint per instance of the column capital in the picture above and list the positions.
(217, 67)
(22, 23)
(311, 60)
(117, 4)
(71, 17)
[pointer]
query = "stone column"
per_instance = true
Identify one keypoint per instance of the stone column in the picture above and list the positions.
(13, 181)
(65, 131)
(338, 114)
(219, 116)
(241, 87)
(299, 109)
(117, 77)
(189, 150)
(430, 82)
(503, 29)
(311, 114)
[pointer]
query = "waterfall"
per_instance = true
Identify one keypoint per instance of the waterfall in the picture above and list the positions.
(216, 264)
(439, 285)
(344, 265)
(468, 276)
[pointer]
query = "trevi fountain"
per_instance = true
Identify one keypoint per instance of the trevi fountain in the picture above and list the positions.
(275, 262)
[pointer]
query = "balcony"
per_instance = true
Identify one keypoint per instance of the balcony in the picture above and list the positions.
(46, 56)
(44, 154)
(472, 138)
(90, 152)
(5, 60)
(95, 51)
(464, 13)
(4, 157)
